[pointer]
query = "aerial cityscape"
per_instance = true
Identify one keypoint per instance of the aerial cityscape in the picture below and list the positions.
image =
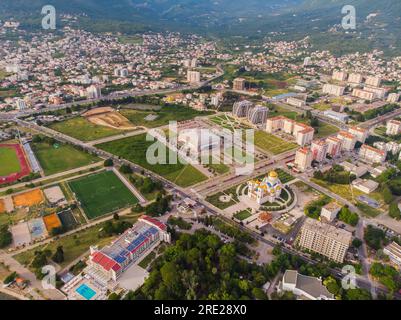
(173, 150)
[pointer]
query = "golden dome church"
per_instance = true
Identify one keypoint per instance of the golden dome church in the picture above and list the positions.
(267, 190)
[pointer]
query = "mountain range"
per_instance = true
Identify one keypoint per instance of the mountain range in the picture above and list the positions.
(378, 22)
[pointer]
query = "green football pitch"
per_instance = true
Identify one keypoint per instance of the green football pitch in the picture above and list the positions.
(102, 193)
(9, 162)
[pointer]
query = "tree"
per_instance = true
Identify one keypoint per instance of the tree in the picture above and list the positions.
(387, 195)
(357, 294)
(394, 211)
(6, 237)
(356, 243)
(114, 296)
(58, 256)
(374, 237)
(116, 216)
(10, 278)
(125, 169)
(348, 217)
(108, 163)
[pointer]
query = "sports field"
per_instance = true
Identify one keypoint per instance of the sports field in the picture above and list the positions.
(271, 143)
(84, 130)
(9, 162)
(28, 199)
(134, 149)
(102, 193)
(55, 159)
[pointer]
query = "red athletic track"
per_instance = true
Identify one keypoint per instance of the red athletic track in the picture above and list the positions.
(25, 170)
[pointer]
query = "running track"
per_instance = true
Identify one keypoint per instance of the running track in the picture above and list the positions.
(25, 170)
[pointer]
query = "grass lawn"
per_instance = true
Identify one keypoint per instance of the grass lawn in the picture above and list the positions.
(9, 162)
(228, 122)
(242, 215)
(367, 210)
(381, 131)
(326, 130)
(73, 245)
(321, 106)
(147, 260)
(271, 143)
(134, 149)
(102, 193)
(65, 157)
(219, 168)
(284, 176)
(84, 130)
(164, 115)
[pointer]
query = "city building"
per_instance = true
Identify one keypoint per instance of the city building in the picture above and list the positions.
(379, 93)
(338, 116)
(296, 102)
(370, 154)
(393, 127)
(365, 185)
(304, 287)
(307, 61)
(333, 147)
(360, 134)
(94, 92)
(20, 104)
(319, 150)
(363, 94)
(302, 133)
(110, 262)
(241, 108)
(197, 140)
(239, 84)
(393, 250)
(303, 159)
(193, 77)
(393, 97)
(325, 239)
(339, 75)
(333, 89)
(355, 78)
(258, 114)
(329, 212)
(357, 170)
(267, 190)
(373, 81)
(348, 140)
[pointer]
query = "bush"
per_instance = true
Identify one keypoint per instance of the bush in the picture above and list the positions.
(108, 163)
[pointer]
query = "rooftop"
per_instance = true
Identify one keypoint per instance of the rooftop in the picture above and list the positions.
(332, 232)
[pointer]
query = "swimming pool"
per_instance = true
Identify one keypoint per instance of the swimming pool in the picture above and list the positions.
(86, 291)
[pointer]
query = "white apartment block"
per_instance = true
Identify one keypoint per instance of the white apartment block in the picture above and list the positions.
(360, 133)
(339, 75)
(393, 127)
(296, 102)
(393, 250)
(325, 239)
(393, 97)
(319, 150)
(20, 104)
(333, 146)
(303, 159)
(371, 154)
(303, 133)
(330, 211)
(379, 93)
(193, 76)
(348, 140)
(373, 81)
(355, 78)
(333, 89)
(362, 94)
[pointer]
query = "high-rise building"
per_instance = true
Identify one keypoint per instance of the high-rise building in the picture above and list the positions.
(393, 127)
(258, 114)
(363, 94)
(21, 105)
(360, 133)
(325, 239)
(333, 89)
(319, 150)
(339, 75)
(333, 147)
(94, 92)
(393, 97)
(241, 108)
(379, 93)
(239, 84)
(371, 154)
(373, 81)
(303, 159)
(355, 78)
(193, 77)
(348, 140)
(303, 133)
(307, 61)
